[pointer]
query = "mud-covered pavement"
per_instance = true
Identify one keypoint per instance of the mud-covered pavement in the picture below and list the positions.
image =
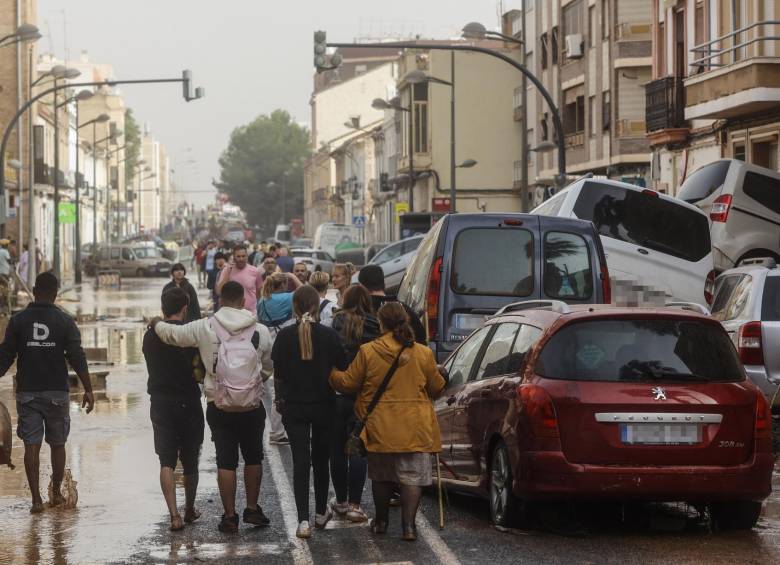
(121, 516)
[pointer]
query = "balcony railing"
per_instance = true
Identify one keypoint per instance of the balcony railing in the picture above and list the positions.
(665, 104)
(744, 43)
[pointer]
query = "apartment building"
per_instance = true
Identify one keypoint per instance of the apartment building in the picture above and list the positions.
(594, 57)
(715, 91)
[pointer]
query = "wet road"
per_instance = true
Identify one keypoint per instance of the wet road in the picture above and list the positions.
(121, 516)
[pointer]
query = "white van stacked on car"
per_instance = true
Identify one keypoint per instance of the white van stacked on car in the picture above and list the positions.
(658, 247)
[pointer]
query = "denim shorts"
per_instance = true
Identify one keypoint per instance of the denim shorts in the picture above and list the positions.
(43, 413)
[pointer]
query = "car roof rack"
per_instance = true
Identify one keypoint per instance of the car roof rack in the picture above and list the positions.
(768, 262)
(693, 306)
(553, 305)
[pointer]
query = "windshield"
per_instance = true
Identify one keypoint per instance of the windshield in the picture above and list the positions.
(704, 182)
(641, 351)
(147, 252)
(298, 253)
(497, 261)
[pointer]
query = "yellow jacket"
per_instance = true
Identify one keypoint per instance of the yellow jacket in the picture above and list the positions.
(403, 420)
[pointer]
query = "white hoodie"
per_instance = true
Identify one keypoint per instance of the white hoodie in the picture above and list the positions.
(199, 334)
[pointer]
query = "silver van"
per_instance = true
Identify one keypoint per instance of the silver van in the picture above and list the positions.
(743, 205)
(133, 260)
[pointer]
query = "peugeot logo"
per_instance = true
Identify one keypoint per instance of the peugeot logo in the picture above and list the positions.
(658, 393)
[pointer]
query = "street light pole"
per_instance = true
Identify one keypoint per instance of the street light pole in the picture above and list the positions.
(94, 188)
(56, 250)
(452, 133)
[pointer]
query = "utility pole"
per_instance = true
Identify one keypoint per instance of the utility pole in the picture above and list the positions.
(56, 250)
(453, 168)
(524, 139)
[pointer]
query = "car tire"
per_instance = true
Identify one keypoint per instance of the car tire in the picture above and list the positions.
(736, 515)
(140, 273)
(505, 507)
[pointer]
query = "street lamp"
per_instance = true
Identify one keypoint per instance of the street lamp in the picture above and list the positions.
(466, 164)
(23, 34)
(476, 30)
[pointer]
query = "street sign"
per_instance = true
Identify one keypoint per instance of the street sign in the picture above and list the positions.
(400, 208)
(359, 221)
(67, 213)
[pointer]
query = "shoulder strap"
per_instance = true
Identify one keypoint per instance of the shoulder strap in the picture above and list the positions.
(383, 387)
(324, 304)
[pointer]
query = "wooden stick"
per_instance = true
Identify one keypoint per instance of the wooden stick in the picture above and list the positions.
(441, 498)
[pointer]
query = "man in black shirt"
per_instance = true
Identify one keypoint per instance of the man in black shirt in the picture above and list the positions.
(176, 411)
(373, 278)
(42, 338)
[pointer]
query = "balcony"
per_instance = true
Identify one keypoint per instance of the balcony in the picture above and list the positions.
(665, 111)
(735, 75)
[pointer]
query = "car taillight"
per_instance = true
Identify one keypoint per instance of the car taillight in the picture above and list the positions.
(763, 419)
(540, 411)
(751, 351)
(720, 208)
(606, 287)
(434, 286)
(709, 287)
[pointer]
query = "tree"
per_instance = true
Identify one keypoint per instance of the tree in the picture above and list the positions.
(132, 145)
(259, 153)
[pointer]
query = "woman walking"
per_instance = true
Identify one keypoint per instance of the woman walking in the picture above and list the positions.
(356, 326)
(342, 278)
(275, 306)
(304, 355)
(396, 453)
(320, 281)
(179, 279)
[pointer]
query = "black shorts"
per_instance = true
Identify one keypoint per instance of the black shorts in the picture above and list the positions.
(178, 431)
(233, 430)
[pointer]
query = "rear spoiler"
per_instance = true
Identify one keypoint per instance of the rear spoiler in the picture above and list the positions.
(692, 306)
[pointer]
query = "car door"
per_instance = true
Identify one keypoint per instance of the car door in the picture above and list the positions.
(460, 367)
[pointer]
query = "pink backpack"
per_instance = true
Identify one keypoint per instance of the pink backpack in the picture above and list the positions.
(238, 384)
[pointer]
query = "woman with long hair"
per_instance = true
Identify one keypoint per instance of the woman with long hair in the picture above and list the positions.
(275, 306)
(320, 281)
(396, 453)
(304, 355)
(342, 278)
(355, 325)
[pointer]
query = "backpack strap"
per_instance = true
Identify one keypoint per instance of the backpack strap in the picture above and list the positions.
(324, 304)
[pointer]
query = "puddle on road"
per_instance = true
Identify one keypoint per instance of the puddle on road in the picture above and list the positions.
(178, 551)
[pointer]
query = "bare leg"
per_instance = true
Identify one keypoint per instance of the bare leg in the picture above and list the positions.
(253, 474)
(190, 491)
(226, 480)
(168, 486)
(57, 472)
(32, 466)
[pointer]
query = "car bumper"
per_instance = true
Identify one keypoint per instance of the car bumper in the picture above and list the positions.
(550, 475)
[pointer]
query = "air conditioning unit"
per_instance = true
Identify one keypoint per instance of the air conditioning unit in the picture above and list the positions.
(574, 46)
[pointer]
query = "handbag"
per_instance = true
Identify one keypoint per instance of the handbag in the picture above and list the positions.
(355, 445)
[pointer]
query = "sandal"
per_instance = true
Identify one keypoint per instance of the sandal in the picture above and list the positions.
(228, 525)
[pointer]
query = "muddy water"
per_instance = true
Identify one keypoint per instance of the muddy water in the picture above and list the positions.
(110, 451)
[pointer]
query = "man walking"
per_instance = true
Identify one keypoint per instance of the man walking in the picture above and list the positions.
(179, 280)
(244, 274)
(43, 338)
(231, 429)
(373, 278)
(208, 264)
(176, 412)
(285, 262)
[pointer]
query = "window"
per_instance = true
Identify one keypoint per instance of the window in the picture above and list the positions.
(724, 287)
(574, 116)
(545, 127)
(591, 26)
(605, 19)
(421, 118)
(770, 302)
(127, 255)
(544, 50)
(552, 206)
(461, 364)
(567, 270)
(114, 253)
(700, 28)
(572, 18)
(526, 339)
(645, 220)
(554, 45)
(739, 299)
(493, 261)
(642, 350)
(496, 358)
(764, 190)
(605, 110)
(388, 254)
(411, 245)
(591, 116)
(739, 151)
(764, 153)
(661, 46)
(704, 182)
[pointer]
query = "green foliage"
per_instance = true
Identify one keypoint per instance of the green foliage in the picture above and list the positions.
(132, 145)
(259, 153)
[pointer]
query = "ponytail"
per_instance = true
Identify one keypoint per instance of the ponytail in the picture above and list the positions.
(304, 337)
(273, 283)
(306, 304)
(393, 318)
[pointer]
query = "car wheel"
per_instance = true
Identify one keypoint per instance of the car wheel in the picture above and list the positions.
(737, 515)
(140, 273)
(504, 506)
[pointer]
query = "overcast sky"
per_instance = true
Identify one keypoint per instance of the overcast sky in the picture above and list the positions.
(251, 56)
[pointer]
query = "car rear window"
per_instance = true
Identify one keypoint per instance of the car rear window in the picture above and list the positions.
(770, 302)
(567, 270)
(493, 261)
(764, 190)
(640, 351)
(645, 220)
(704, 181)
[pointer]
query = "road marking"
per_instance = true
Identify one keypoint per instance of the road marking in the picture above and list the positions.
(434, 541)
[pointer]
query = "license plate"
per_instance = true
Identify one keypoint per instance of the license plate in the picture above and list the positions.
(660, 434)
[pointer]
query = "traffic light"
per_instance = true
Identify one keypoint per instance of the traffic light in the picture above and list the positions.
(186, 84)
(321, 61)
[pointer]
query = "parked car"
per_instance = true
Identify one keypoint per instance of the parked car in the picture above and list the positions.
(747, 302)
(548, 402)
(373, 249)
(313, 257)
(653, 242)
(743, 203)
(133, 260)
(356, 256)
(470, 265)
(394, 260)
(329, 236)
(302, 243)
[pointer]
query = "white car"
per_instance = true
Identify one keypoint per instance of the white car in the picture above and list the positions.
(394, 260)
(657, 247)
(313, 257)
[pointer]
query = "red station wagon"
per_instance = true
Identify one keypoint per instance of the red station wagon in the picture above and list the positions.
(554, 402)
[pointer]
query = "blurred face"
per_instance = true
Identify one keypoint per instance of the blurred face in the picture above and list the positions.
(301, 272)
(178, 276)
(340, 280)
(269, 265)
(220, 262)
(239, 258)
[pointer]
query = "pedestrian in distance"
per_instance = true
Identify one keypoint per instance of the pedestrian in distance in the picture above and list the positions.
(373, 278)
(176, 411)
(394, 379)
(246, 275)
(304, 355)
(285, 262)
(275, 307)
(269, 266)
(320, 281)
(200, 260)
(301, 272)
(179, 280)
(236, 352)
(43, 340)
(356, 325)
(220, 260)
(341, 277)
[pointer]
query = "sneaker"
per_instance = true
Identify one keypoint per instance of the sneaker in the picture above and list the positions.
(256, 517)
(356, 514)
(281, 441)
(340, 508)
(303, 531)
(321, 520)
(228, 525)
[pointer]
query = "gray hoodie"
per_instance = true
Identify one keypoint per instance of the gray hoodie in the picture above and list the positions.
(199, 334)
